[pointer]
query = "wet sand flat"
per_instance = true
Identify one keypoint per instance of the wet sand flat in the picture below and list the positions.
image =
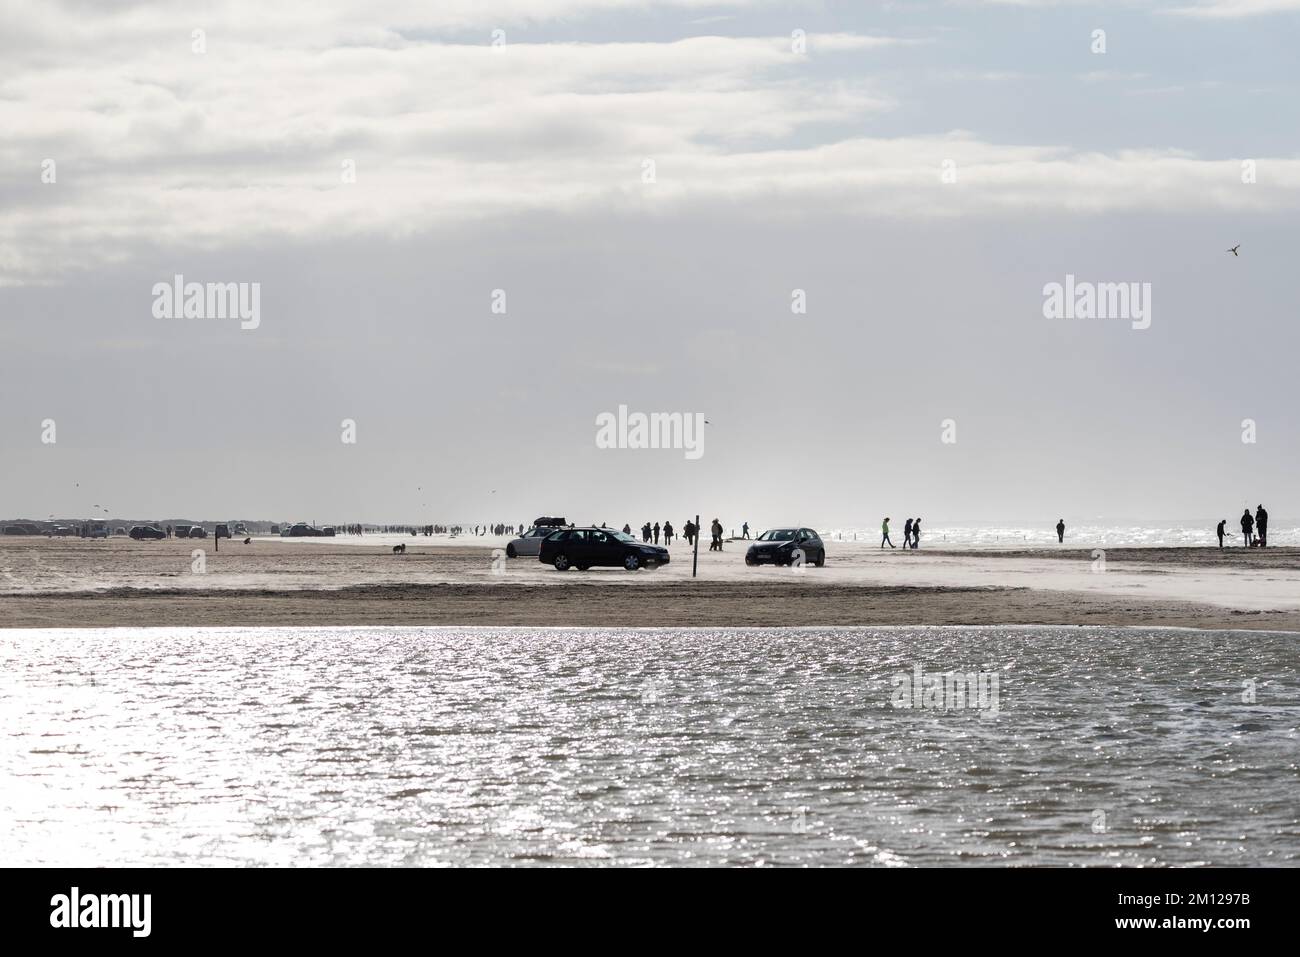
(78, 583)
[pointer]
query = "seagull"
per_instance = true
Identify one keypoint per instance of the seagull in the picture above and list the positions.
(1234, 249)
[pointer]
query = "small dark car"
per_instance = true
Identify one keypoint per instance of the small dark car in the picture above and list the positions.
(584, 548)
(141, 532)
(785, 546)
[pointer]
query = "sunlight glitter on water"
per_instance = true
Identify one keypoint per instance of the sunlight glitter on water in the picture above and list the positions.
(420, 746)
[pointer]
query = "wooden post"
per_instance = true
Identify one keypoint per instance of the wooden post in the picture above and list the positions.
(695, 558)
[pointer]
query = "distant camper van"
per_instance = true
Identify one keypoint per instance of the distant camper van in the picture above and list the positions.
(182, 531)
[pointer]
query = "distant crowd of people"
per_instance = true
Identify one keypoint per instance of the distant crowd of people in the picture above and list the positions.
(498, 529)
(651, 533)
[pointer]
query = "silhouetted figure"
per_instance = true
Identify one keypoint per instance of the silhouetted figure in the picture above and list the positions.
(884, 534)
(656, 531)
(1261, 526)
(916, 533)
(1060, 530)
(248, 541)
(1247, 526)
(1220, 532)
(907, 534)
(627, 529)
(668, 533)
(716, 528)
(744, 530)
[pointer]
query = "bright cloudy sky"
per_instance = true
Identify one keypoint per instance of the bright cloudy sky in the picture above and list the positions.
(515, 160)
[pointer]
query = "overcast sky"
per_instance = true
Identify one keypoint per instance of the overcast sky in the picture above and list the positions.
(794, 146)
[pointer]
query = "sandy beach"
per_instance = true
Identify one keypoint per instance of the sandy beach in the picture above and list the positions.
(345, 581)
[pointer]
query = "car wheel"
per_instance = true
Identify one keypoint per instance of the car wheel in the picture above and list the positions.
(631, 562)
(561, 562)
(821, 558)
(750, 562)
(510, 551)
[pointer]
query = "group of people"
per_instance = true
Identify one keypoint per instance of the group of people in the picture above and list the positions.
(650, 532)
(1254, 529)
(911, 534)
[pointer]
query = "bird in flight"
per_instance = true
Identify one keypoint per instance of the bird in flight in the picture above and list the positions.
(1234, 249)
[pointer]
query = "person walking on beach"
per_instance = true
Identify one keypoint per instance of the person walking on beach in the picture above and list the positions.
(884, 534)
(907, 534)
(1060, 530)
(627, 529)
(656, 531)
(645, 533)
(1220, 532)
(668, 533)
(744, 530)
(916, 534)
(716, 528)
(1247, 525)
(1261, 526)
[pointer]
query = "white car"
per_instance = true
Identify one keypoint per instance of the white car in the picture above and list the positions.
(530, 542)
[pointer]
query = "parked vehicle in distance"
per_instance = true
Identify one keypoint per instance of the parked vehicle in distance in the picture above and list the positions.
(221, 531)
(98, 531)
(301, 530)
(529, 542)
(61, 531)
(198, 531)
(785, 546)
(181, 531)
(241, 528)
(141, 532)
(584, 548)
(328, 531)
(275, 529)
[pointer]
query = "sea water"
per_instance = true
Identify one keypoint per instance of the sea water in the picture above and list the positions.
(524, 746)
(1006, 535)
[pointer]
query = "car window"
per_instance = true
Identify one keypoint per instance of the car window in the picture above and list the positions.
(598, 538)
(559, 536)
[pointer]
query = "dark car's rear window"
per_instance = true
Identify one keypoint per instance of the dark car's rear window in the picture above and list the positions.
(558, 536)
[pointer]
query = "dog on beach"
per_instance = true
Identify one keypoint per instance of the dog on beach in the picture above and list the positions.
(399, 549)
